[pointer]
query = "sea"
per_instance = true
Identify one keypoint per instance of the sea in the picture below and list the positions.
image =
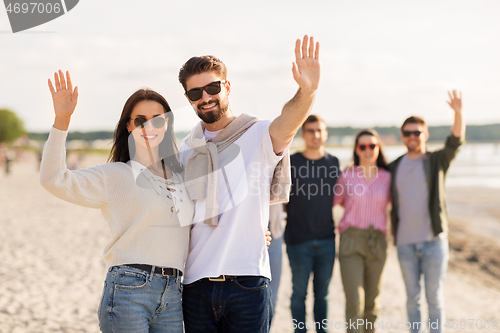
(476, 165)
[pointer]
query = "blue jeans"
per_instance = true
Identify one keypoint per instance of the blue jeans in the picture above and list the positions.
(275, 260)
(139, 302)
(316, 256)
(429, 259)
(241, 304)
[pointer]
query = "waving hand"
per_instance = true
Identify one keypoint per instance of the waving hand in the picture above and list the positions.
(306, 68)
(64, 99)
(306, 72)
(455, 100)
(458, 128)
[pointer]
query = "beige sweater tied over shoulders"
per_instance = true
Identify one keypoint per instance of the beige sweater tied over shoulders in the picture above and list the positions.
(199, 174)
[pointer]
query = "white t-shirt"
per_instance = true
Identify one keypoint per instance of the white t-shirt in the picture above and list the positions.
(237, 245)
(211, 135)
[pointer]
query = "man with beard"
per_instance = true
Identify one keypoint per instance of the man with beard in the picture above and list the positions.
(231, 174)
(419, 215)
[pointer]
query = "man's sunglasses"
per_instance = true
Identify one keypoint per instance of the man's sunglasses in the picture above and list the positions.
(213, 88)
(158, 121)
(362, 147)
(407, 134)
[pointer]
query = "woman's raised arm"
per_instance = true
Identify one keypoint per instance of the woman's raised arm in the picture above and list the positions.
(85, 187)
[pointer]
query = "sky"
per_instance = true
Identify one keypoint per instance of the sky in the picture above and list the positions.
(381, 61)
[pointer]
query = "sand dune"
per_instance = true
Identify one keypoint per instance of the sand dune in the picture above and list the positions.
(52, 270)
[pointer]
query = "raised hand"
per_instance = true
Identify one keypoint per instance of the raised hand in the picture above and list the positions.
(306, 68)
(64, 99)
(455, 101)
(458, 128)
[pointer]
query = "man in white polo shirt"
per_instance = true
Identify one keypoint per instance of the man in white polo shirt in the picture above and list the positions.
(230, 167)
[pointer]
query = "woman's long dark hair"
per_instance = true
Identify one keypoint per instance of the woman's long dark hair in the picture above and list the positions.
(381, 161)
(123, 148)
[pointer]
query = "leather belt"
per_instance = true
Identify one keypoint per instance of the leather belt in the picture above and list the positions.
(163, 271)
(222, 278)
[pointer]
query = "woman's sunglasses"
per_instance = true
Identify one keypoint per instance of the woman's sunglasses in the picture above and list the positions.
(362, 147)
(158, 121)
(213, 88)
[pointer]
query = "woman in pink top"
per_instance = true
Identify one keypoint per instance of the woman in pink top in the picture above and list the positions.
(364, 191)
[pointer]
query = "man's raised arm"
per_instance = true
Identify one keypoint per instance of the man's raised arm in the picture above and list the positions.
(306, 72)
(458, 128)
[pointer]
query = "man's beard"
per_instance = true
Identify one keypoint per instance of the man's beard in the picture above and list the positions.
(414, 149)
(215, 115)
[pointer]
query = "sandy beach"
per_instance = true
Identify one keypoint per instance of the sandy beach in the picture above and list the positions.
(52, 271)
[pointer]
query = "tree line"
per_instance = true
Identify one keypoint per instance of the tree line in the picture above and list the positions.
(475, 133)
(11, 128)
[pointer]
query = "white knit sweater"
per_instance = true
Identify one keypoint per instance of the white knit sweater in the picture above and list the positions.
(141, 213)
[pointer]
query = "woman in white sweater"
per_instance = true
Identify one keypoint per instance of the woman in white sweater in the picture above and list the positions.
(142, 197)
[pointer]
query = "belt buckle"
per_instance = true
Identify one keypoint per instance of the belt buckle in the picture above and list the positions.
(220, 278)
(163, 271)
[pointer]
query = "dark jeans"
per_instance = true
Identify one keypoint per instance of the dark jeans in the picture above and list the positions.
(316, 256)
(241, 304)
